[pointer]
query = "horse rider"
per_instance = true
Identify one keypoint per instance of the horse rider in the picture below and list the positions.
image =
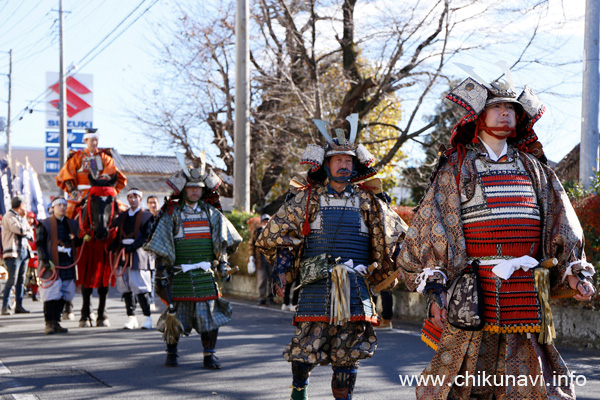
(94, 266)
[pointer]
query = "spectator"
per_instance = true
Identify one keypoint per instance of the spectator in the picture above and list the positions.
(154, 208)
(290, 296)
(153, 205)
(387, 310)
(15, 235)
(31, 278)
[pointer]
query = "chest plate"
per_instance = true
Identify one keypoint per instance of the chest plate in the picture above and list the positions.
(339, 230)
(503, 217)
(193, 242)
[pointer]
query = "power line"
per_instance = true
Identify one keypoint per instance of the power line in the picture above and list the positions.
(114, 29)
(13, 13)
(27, 14)
(83, 63)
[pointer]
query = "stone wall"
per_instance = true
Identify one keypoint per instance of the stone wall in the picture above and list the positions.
(576, 327)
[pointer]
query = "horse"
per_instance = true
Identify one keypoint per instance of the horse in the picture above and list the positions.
(96, 214)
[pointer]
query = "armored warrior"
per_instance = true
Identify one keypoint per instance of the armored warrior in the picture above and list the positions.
(332, 235)
(191, 238)
(134, 272)
(495, 208)
(57, 242)
(73, 178)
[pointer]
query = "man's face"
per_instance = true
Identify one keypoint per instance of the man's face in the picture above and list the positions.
(22, 209)
(91, 143)
(501, 115)
(59, 210)
(134, 200)
(152, 205)
(340, 165)
(193, 194)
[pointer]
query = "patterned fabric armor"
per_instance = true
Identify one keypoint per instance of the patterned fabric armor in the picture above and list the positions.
(193, 244)
(90, 164)
(339, 230)
(502, 220)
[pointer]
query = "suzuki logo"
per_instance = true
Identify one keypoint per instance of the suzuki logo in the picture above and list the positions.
(75, 104)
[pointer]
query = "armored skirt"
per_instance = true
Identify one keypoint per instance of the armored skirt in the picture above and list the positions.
(316, 341)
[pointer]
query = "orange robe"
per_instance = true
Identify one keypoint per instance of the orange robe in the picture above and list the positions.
(77, 169)
(80, 164)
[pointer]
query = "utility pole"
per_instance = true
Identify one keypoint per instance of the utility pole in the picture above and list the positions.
(241, 162)
(62, 88)
(589, 147)
(8, 146)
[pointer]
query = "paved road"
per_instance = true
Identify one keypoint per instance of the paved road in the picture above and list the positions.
(92, 363)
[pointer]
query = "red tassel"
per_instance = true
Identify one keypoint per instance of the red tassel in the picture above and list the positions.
(306, 224)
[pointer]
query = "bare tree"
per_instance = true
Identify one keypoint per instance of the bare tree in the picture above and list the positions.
(321, 59)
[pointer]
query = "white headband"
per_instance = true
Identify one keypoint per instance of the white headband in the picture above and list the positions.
(90, 135)
(135, 191)
(59, 200)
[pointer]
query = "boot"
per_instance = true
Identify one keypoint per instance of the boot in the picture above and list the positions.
(58, 328)
(144, 302)
(384, 324)
(342, 382)
(49, 329)
(300, 374)
(102, 317)
(171, 360)
(211, 361)
(209, 342)
(299, 394)
(21, 310)
(57, 308)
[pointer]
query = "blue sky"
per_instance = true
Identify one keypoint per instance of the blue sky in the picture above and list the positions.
(124, 69)
(120, 71)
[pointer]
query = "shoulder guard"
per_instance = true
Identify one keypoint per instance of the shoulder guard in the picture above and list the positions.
(72, 153)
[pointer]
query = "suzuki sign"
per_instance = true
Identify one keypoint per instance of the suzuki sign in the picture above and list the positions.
(79, 101)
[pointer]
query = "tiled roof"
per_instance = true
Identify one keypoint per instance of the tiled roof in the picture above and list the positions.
(568, 167)
(149, 184)
(142, 164)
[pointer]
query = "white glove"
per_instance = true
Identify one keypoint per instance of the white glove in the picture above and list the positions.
(251, 265)
(361, 270)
